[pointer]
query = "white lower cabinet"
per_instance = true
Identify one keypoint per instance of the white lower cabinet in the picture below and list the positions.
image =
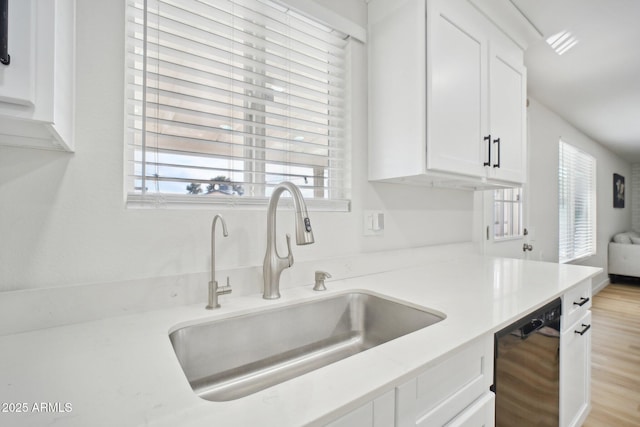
(575, 372)
(453, 392)
(380, 412)
(575, 355)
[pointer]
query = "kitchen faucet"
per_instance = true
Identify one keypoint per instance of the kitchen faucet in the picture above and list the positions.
(214, 290)
(274, 263)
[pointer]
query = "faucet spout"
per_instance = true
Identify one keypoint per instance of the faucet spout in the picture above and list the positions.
(273, 262)
(214, 289)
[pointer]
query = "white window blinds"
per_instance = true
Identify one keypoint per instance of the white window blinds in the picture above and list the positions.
(577, 203)
(229, 98)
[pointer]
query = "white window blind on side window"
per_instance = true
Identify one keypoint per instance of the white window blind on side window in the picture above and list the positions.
(229, 98)
(577, 203)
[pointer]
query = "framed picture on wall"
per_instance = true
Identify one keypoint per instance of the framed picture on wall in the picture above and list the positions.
(618, 191)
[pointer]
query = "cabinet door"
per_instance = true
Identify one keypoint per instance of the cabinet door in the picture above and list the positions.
(37, 87)
(456, 88)
(444, 391)
(575, 373)
(507, 100)
(397, 88)
(18, 79)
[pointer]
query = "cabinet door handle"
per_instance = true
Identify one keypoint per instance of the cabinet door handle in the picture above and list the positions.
(497, 141)
(4, 36)
(585, 328)
(582, 301)
(488, 139)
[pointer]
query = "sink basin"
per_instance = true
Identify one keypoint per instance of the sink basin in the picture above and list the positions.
(234, 357)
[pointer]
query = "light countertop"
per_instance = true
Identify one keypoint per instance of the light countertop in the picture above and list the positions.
(122, 371)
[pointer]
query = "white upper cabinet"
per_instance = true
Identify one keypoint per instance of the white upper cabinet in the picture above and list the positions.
(507, 111)
(447, 96)
(17, 72)
(37, 86)
(456, 93)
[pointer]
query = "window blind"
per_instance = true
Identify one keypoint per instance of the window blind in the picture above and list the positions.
(577, 203)
(228, 98)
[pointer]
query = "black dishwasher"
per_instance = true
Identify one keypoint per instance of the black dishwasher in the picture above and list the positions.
(527, 368)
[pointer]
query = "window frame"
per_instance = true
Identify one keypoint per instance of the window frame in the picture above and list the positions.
(137, 199)
(503, 203)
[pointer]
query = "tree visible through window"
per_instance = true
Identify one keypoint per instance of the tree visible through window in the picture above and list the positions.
(231, 97)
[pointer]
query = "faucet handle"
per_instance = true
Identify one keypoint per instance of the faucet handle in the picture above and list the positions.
(289, 253)
(223, 290)
(320, 276)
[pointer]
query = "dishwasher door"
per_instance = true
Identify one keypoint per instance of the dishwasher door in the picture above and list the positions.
(527, 370)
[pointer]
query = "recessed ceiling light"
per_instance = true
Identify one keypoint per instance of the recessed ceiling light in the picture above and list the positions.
(299, 138)
(562, 42)
(225, 127)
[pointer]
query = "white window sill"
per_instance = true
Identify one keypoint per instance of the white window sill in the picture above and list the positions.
(185, 201)
(577, 259)
(507, 239)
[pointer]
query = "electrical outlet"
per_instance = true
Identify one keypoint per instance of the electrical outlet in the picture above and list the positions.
(373, 223)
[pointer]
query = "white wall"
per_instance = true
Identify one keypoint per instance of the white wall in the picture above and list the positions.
(545, 129)
(63, 220)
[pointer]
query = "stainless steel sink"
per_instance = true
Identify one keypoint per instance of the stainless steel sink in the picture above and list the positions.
(232, 358)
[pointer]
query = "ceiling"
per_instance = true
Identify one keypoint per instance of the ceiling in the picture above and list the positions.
(595, 85)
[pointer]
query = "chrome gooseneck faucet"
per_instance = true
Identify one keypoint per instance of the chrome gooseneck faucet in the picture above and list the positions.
(214, 289)
(274, 263)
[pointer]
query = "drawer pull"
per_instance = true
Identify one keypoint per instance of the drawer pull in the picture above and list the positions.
(586, 328)
(582, 302)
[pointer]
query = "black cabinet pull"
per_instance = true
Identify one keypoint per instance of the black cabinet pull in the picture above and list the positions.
(582, 301)
(4, 32)
(497, 141)
(585, 329)
(488, 139)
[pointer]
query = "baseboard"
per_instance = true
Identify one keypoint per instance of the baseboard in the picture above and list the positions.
(600, 286)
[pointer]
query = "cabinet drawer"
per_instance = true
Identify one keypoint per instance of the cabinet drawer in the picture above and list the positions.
(443, 391)
(575, 303)
(481, 413)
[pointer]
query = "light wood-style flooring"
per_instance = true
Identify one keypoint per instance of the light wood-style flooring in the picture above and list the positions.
(615, 390)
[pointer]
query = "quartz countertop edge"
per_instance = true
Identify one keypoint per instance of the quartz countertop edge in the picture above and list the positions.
(123, 371)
